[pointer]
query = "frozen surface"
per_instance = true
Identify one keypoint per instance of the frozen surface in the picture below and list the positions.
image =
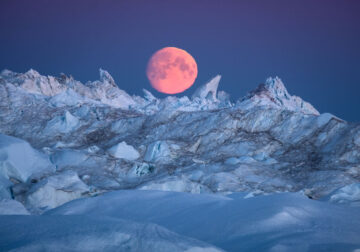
(12, 207)
(263, 223)
(90, 233)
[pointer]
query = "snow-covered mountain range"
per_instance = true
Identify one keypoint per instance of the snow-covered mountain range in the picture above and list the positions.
(61, 140)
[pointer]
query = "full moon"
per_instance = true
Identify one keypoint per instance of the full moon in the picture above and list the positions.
(171, 70)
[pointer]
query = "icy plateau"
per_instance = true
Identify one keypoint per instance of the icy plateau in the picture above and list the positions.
(62, 140)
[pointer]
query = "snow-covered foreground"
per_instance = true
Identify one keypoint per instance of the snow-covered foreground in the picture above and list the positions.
(120, 221)
(83, 233)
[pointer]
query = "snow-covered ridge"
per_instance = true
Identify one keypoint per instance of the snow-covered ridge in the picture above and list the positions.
(65, 90)
(274, 94)
(99, 138)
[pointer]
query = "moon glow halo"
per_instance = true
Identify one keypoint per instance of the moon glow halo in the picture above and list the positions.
(171, 70)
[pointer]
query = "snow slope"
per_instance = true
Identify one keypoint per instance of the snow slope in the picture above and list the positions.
(89, 233)
(277, 222)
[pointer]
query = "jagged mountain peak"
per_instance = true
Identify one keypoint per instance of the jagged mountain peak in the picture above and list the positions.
(276, 86)
(273, 87)
(31, 73)
(274, 94)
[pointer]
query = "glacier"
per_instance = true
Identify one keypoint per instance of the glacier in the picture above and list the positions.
(64, 143)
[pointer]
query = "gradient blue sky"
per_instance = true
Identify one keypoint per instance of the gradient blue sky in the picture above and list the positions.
(313, 45)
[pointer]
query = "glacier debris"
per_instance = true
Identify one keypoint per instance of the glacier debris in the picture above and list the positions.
(268, 141)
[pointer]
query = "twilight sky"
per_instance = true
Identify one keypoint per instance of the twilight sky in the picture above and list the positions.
(312, 45)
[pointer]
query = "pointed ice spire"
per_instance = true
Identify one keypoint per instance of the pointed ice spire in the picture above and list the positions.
(209, 90)
(148, 95)
(106, 77)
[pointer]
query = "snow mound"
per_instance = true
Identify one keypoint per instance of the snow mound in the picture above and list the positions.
(56, 190)
(233, 223)
(18, 160)
(12, 207)
(86, 233)
(125, 151)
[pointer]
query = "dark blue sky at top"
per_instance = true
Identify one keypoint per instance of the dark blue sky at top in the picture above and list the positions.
(313, 45)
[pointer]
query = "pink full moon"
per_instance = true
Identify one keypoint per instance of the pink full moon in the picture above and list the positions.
(171, 70)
